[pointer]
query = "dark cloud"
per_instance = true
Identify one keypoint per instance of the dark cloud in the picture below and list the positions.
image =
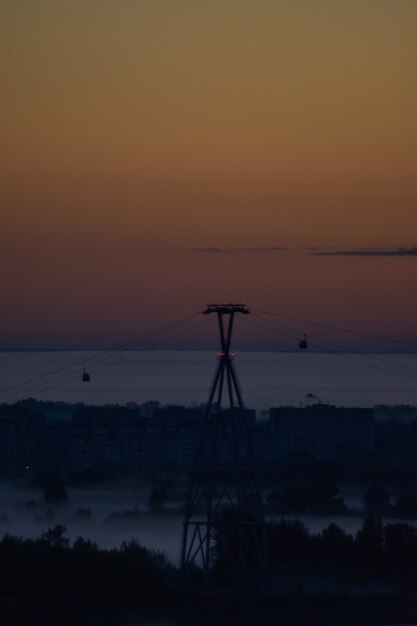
(373, 252)
(239, 250)
(399, 251)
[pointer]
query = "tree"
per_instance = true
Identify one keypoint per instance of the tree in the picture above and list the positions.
(289, 541)
(84, 513)
(376, 501)
(55, 536)
(335, 545)
(369, 542)
(401, 546)
(407, 503)
(157, 498)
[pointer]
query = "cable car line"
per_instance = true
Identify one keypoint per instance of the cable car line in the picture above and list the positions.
(150, 346)
(51, 384)
(349, 350)
(70, 377)
(261, 325)
(154, 338)
(349, 355)
(102, 354)
(338, 328)
(147, 343)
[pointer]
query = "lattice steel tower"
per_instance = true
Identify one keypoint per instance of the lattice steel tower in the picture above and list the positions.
(224, 506)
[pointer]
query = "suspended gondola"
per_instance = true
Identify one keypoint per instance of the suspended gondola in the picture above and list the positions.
(86, 376)
(303, 343)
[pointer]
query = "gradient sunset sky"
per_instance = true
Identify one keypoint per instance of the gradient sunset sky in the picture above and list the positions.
(158, 155)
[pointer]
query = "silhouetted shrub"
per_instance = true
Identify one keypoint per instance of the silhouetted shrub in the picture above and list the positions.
(321, 497)
(369, 543)
(84, 514)
(289, 541)
(407, 503)
(376, 501)
(401, 547)
(335, 546)
(157, 498)
(56, 537)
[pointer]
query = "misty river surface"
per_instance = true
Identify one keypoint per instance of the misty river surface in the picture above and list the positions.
(23, 513)
(184, 377)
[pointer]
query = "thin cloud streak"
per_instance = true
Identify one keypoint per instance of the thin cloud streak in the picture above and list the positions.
(409, 251)
(215, 250)
(398, 251)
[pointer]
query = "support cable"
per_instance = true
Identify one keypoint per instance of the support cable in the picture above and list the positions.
(104, 358)
(345, 352)
(338, 328)
(344, 348)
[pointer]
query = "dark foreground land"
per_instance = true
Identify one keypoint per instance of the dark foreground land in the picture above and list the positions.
(326, 579)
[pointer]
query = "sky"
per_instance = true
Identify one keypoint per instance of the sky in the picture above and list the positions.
(159, 155)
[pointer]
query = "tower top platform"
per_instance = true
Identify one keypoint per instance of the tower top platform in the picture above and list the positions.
(226, 308)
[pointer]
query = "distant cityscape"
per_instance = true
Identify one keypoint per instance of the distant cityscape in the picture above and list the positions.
(38, 437)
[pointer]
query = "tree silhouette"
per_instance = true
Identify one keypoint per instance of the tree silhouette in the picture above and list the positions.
(56, 536)
(376, 501)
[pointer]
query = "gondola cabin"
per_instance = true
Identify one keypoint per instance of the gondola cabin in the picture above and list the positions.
(86, 376)
(303, 343)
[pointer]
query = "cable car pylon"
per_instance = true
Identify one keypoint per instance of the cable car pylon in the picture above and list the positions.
(224, 523)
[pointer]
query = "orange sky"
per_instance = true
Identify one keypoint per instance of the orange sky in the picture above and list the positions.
(135, 133)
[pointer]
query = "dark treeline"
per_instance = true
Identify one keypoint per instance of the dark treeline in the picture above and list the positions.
(324, 498)
(388, 551)
(44, 581)
(47, 581)
(320, 497)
